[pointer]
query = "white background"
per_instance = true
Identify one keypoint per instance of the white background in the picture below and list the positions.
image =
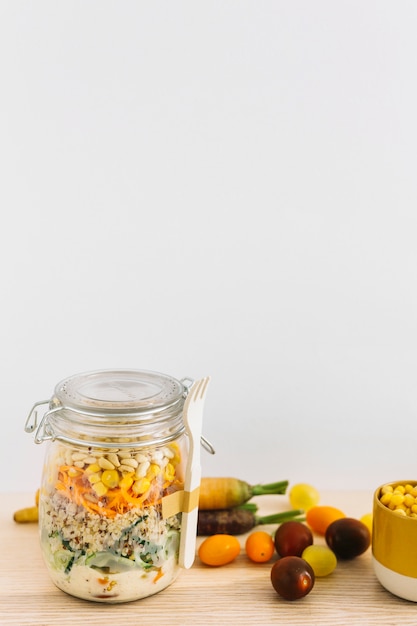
(223, 188)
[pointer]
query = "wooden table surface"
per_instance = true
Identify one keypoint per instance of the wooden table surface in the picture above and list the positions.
(239, 593)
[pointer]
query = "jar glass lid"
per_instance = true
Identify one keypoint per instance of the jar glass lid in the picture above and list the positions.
(118, 392)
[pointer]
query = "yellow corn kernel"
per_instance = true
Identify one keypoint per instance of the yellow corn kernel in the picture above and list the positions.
(93, 469)
(414, 509)
(141, 486)
(399, 489)
(408, 488)
(73, 472)
(400, 512)
(94, 478)
(100, 489)
(126, 482)
(174, 447)
(409, 500)
(387, 489)
(386, 498)
(110, 478)
(169, 473)
(397, 499)
(153, 471)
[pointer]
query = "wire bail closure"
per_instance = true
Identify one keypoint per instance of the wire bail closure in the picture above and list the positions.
(44, 432)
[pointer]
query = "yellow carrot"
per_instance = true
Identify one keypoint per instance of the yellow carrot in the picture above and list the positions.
(29, 514)
(225, 493)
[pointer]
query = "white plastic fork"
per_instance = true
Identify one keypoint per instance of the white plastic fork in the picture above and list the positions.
(193, 420)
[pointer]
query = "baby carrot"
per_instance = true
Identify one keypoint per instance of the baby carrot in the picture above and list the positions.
(225, 493)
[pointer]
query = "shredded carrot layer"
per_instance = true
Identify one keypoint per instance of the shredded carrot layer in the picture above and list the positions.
(74, 484)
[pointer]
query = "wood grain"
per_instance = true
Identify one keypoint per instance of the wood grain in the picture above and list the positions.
(237, 594)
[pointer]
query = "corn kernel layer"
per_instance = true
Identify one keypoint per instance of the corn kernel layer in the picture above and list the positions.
(111, 483)
(401, 500)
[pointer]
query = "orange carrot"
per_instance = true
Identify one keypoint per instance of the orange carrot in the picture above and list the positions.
(74, 484)
(159, 575)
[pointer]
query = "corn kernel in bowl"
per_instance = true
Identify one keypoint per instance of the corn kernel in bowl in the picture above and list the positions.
(400, 499)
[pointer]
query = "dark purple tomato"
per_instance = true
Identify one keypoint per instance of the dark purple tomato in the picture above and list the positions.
(348, 537)
(292, 538)
(292, 577)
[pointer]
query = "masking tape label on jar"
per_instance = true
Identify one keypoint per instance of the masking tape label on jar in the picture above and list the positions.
(180, 502)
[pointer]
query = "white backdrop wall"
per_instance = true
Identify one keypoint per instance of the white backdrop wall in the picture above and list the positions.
(223, 188)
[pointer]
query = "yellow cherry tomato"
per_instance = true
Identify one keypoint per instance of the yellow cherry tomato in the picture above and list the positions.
(219, 550)
(303, 496)
(367, 520)
(321, 558)
(259, 546)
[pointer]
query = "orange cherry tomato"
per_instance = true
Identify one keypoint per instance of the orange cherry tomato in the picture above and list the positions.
(219, 550)
(320, 517)
(259, 546)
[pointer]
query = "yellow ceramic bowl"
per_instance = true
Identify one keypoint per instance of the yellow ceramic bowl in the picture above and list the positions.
(394, 548)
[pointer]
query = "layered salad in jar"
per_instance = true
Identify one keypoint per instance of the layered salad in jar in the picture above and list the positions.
(103, 535)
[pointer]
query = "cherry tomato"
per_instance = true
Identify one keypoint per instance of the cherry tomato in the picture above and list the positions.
(219, 550)
(259, 546)
(348, 537)
(292, 577)
(321, 558)
(320, 517)
(367, 520)
(303, 496)
(292, 537)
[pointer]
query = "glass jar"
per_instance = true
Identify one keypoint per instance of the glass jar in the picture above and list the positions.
(117, 451)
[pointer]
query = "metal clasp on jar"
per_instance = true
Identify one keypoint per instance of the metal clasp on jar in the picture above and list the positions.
(43, 430)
